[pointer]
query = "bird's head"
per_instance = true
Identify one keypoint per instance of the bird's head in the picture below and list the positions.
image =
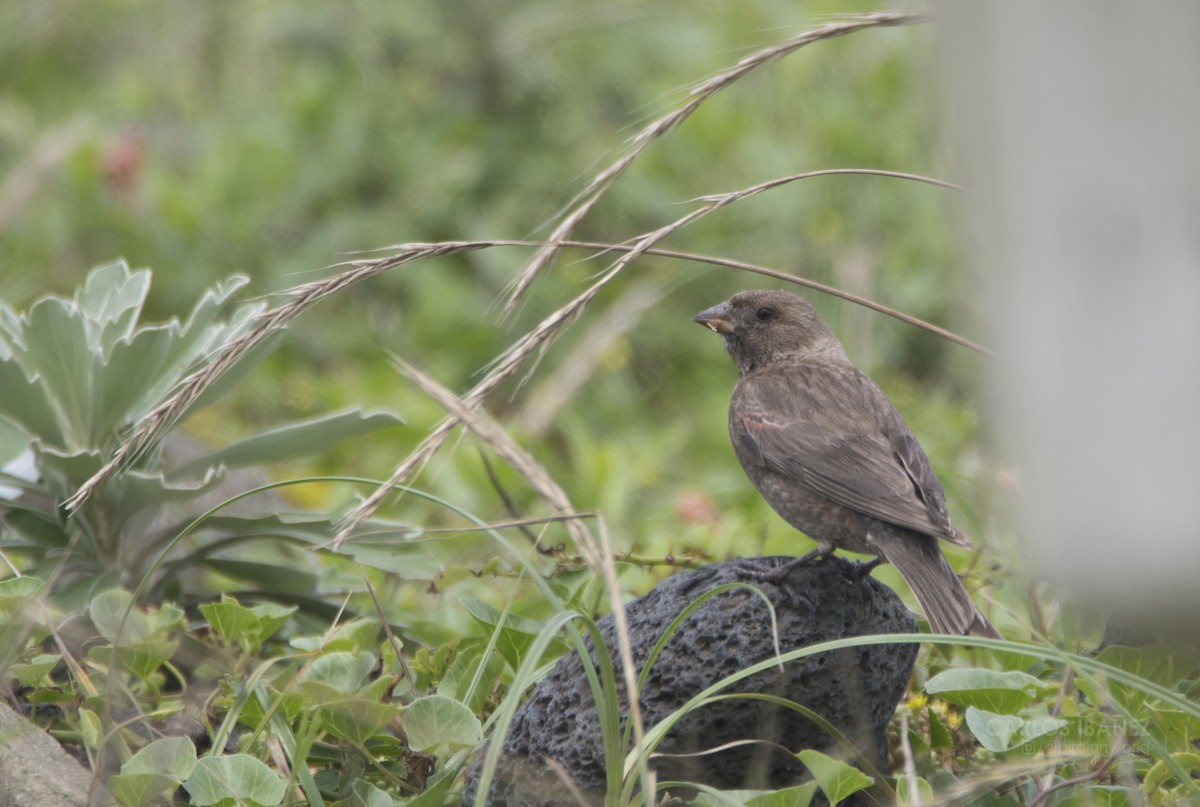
(762, 327)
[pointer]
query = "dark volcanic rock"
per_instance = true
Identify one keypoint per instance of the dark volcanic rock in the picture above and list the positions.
(855, 689)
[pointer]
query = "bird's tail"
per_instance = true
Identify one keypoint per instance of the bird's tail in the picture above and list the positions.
(946, 603)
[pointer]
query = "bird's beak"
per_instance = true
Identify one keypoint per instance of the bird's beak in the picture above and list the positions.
(716, 318)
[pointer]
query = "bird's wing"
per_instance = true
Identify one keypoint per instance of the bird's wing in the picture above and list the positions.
(834, 432)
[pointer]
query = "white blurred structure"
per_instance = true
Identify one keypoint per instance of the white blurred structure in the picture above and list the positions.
(1078, 124)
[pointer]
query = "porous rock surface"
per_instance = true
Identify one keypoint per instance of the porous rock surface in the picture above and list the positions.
(855, 689)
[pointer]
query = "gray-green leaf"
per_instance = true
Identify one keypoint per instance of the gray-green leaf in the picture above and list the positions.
(990, 690)
(440, 722)
(239, 777)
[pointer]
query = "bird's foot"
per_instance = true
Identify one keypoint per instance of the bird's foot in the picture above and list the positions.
(778, 574)
(862, 568)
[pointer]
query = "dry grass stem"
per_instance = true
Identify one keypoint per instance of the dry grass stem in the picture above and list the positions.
(541, 335)
(608, 568)
(503, 367)
(515, 523)
(910, 765)
(587, 198)
(163, 417)
(598, 554)
(499, 441)
(391, 636)
(554, 392)
(155, 425)
(734, 196)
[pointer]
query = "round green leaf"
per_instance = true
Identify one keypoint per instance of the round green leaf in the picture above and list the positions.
(137, 789)
(239, 777)
(356, 720)
(345, 672)
(170, 756)
(438, 721)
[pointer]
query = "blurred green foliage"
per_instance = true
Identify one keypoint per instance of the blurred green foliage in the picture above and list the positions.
(274, 139)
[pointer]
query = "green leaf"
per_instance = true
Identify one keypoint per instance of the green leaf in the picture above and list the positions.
(245, 627)
(112, 615)
(990, 690)
(990, 798)
(272, 577)
(233, 622)
(440, 722)
(725, 798)
(237, 371)
(904, 796)
(89, 728)
(365, 794)
(995, 732)
(149, 491)
(301, 528)
(170, 756)
(14, 441)
(139, 659)
(266, 698)
(59, 349)
(1039, 729)
(26, 403)
(1160, 777)
(394, 553)
(239, 777)
(271, 617)
(139, 789)
(799, 796)
(344, 672)
(300, 438)
(464, 673)
(1155, 663)
(136, 372)
(356, 720)
(999, 732)
(836, 779)
(196, 336)
(939, 735)
(1175, 729)
(1101, 796)
(516, 633)
(356, 635)
(159, 767)
(78, 595)
(16, 593)
(36, 528)
(111, 300)
(34, 671)
(63, 471)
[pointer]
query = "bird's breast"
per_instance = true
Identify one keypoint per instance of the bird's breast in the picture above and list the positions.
(824, 521)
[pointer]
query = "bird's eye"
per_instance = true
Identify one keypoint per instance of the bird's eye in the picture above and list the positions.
(764, 313)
